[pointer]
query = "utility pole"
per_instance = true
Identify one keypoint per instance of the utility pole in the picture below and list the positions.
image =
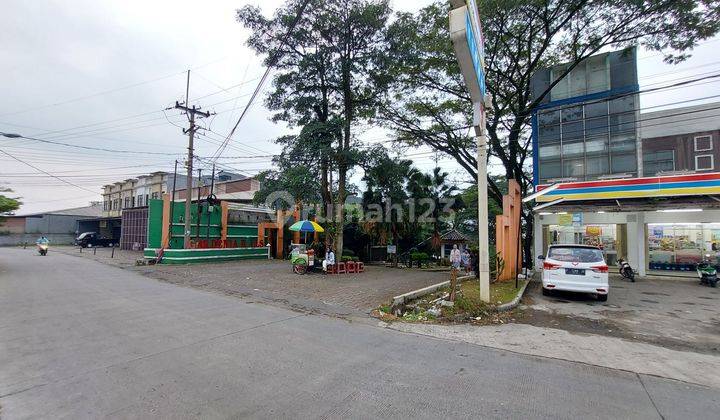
(191, 112)
(199, 206)
(172, 206)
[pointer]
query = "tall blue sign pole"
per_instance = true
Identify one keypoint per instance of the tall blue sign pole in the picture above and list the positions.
(467, 37)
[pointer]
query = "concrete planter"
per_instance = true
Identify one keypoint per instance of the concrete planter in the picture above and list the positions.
(187, 256)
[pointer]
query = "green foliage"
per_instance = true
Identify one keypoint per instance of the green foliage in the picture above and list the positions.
(330, 69)
(298, 181)
(7, 204)
(429, 101)
(421, 257)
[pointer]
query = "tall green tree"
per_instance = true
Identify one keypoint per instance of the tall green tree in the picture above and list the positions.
(435, 198)
(331, 66)
(429, 104)
(385, 179)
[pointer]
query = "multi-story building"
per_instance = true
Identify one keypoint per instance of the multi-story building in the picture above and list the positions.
(681, 140)
(642, 186)
(585, 129)
(132, 193)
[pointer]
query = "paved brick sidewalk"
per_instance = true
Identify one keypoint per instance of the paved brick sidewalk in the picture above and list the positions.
(272, 280)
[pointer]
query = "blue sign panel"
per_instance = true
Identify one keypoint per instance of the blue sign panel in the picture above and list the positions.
(476, 54)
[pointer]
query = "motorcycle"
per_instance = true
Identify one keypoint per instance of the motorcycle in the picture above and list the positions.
(625, 270)
(707, 273)
(42, 249)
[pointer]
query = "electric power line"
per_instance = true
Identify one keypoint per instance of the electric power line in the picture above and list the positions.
(48, 173)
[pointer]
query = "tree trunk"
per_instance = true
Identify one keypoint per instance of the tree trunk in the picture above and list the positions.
(340, 210)
(325, 193)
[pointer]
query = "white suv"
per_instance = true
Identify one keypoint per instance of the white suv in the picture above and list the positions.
(575, 268)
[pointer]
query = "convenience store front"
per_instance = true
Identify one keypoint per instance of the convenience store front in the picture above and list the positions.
(653, 242)
(679, 246)
(656, 224)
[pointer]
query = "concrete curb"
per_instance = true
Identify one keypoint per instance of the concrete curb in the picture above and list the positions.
(513, 303)
(401, 299)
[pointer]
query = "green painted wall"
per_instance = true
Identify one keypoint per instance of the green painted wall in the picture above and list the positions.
(210, 219)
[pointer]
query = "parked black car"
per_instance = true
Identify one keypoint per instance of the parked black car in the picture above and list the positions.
(90, 239)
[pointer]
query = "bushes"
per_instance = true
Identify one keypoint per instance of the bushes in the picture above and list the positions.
(419, 257)
(346, 258)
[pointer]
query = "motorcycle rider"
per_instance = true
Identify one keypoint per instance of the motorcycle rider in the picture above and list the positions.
(42, 241)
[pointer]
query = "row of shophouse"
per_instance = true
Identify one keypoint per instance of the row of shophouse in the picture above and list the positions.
(125, 203)
(642, 183)
(123, 212)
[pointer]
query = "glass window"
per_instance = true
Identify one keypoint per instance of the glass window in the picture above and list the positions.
(549, 151)
(658, 161)
(573, 113)
(560, 90)
(679, 246)
(621, 163)
(577, 81)
(703, 143)
(572, 130)
(549, 133)
(704, 162)
(574, 168)
(573, 149)
(597, 74)
(622, 123)
(624, 144)
(597, 165)
(596, 126)
(549, 170)
(596, 145)
(596, 109)
(623, 104)
(549, 117)
(575, 254)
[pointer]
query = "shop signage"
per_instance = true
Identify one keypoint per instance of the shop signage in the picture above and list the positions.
(658, 186)
(593, 231)
(565, 219)
(467, 37)
(577, 220)
(392, 249)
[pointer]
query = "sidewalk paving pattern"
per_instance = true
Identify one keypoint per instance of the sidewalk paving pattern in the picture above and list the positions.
(273, 280)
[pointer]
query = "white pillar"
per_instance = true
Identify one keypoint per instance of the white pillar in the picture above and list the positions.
(537, 239)
(640, 245)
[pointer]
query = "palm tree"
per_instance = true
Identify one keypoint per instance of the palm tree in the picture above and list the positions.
(432, 193)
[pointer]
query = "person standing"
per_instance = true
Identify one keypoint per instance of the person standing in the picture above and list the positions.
(465, 258)
(455, 257)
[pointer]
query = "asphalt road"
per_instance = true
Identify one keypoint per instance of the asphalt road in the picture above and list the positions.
(79, 339)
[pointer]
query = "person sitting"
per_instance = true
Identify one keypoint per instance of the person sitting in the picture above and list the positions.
(42, 240)
(329, 260)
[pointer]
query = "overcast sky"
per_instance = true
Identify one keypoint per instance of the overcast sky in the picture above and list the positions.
(99, 73)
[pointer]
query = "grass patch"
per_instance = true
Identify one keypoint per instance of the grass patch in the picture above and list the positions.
(467, 307)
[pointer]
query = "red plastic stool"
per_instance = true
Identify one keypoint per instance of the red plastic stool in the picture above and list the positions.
(340, 268)
(351, 267)
(360, 267)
